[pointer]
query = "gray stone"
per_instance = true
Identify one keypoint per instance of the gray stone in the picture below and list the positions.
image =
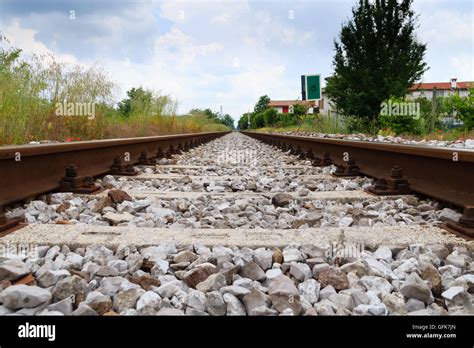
(195, 312)
(255, 299)
(379, 268)
(357, 266)
(84, 310)
(309, 290)
(213, 282)
(71, 286)
(237, 291)
(263, 258)
(282, 284)
(415, 287)
(414, 305)
(395, 303)
(369, 309)
(120, 265)
(196, 299)
(126, 299)
(263, 311)
(24, 296)
(63, 306)
(456, 260)
(215, 304)
(170, 289)
(74, 261)
(317, 269)
(99, 302)
(457, 296)
(273, 273)
(378, 285)
(252, 271)
(51, 277)
(343, 300)
(281, 199)
(199, 274)
(110, 286)
(13, 269)
(233, 305)
(159, 268)
(300, 271)
(115, 218)
(439, 250)
(325, 308)
(292, 255)
(169, 312)
(383, 253)
(184, 256)
(448, 215)
(326, 292)
(107, 271)
(148, 303)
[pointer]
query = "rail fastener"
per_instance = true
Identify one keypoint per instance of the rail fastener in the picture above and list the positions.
(72, 182)
(394, 185)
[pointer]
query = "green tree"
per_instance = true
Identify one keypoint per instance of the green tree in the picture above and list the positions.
(463, 108)
(262, 104)
(138, 98)
(243, 121)
(228, 121)
(377, 56)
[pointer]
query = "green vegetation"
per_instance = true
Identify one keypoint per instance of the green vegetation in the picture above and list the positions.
(225, 119)
(264, 116)
(377, 57)
(30, 92)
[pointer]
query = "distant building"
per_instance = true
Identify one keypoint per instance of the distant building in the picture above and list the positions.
(443, 89)
(283, 106)
(418, 90)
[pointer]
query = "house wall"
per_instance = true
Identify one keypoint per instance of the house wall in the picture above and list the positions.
(428, 94)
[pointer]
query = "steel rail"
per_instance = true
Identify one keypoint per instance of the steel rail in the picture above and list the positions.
(29, 170)
(445, 174)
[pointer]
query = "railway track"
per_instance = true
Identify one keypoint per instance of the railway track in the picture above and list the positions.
(246, 224)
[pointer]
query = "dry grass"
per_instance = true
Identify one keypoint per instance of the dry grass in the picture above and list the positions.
(30, 90)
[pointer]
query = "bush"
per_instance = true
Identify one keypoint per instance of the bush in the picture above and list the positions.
(257, 120)
(270, 117)
(285, 120)
(400, 124)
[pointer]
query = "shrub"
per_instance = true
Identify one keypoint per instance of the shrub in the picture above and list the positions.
(270, 117)
(400, 124)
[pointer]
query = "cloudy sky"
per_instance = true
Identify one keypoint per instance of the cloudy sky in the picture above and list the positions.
(212, 53)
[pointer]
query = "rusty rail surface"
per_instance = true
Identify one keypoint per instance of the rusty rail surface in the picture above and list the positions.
(445, 174)
(30, 170)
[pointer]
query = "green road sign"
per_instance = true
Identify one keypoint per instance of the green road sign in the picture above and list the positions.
(312, 87)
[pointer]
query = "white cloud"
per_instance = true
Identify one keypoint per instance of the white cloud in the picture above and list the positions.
(25, 39)
(223, 18)
(177, 45)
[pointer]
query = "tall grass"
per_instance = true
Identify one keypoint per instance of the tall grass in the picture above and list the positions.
(313, 123)
(30, 91)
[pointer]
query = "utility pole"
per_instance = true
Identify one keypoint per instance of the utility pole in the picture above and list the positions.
(248, 120)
